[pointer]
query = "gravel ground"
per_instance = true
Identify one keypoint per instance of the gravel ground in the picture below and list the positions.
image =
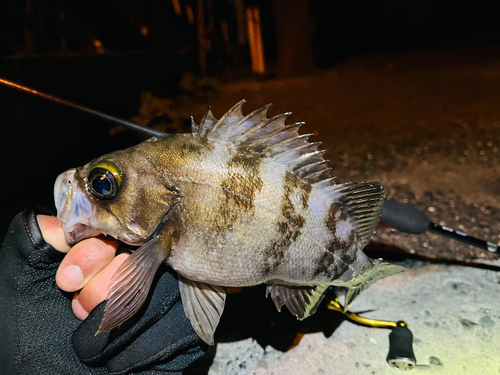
(427, 125)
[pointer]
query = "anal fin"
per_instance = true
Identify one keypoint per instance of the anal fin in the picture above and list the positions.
(203, 305)
(301, 301)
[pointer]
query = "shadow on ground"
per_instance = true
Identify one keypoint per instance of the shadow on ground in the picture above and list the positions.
(249, 314)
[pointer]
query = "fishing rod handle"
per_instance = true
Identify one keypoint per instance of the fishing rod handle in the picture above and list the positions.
(404, 217)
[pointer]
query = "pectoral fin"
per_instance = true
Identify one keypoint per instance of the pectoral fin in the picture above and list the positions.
(130, 284)
(203, 305)
(301, 301)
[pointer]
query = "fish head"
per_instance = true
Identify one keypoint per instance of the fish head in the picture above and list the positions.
(120, 194)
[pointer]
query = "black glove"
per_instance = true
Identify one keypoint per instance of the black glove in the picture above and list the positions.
(40, 334)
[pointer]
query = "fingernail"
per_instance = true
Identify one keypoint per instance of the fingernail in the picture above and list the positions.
(72, 275)
(78, 309)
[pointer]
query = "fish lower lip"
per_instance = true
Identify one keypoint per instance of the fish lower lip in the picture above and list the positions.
(79, 232)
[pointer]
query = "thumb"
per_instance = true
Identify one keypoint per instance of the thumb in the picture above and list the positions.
(25, 249)
(38, 248)
(52, 232)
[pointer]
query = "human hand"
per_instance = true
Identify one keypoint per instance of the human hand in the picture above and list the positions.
(87, 267)
(41, 334)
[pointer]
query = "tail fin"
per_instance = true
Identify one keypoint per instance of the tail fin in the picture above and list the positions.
(377, 271)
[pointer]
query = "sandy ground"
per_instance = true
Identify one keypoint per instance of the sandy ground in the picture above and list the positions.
(427, 125)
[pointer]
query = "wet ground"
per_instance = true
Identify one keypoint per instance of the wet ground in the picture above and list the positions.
(427, 125)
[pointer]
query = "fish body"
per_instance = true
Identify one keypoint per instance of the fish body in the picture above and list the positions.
(240, 201)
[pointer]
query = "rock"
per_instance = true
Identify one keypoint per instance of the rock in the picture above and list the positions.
(435, 361)
(487, 322)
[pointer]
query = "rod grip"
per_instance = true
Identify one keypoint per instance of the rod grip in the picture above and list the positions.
(404, 217)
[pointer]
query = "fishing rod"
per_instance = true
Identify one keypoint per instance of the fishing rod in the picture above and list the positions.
(408, 219)
(112, 119)
(403, 217)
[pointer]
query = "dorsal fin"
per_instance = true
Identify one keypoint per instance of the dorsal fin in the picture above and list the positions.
(269, 137)
(207, 123)
(363, 203)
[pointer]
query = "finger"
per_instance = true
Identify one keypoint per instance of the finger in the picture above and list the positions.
(52, 232)
(83, 261)
(96, 290)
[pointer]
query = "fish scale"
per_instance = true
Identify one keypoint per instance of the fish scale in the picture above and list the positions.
(240, 201)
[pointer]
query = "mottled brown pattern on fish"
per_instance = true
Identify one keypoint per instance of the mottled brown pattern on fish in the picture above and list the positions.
(334, 213)
(240, 187)
(291, 183)
(344, 248)
(289, 229)
(301, 186)
(323, 266)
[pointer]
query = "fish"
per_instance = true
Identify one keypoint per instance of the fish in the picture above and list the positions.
(240, 201)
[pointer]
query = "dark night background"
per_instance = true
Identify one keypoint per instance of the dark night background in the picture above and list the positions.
(98, 54)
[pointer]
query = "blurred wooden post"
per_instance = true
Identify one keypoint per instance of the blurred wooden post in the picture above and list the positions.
(190, 14)
(177, 7)
(255, 40)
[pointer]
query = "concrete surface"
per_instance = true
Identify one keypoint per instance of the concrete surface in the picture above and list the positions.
(453, 312)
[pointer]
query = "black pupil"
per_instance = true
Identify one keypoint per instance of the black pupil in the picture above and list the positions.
(102, 185)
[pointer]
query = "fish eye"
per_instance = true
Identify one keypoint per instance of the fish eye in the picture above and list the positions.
(104, 181)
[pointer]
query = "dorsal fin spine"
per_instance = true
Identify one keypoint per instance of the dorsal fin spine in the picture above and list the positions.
(314, 153)
(207, 122)
(234, 110)
(288, 141)
(289, 151)
(307, 167)
(267, 137)
(257, 112)
(260, 126)
(313, 176)
(194, 126)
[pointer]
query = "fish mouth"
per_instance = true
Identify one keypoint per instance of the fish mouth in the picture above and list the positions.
(75, 212)
(79, 232)
(73, 209)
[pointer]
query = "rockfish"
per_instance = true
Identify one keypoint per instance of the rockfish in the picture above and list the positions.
(240, 201)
